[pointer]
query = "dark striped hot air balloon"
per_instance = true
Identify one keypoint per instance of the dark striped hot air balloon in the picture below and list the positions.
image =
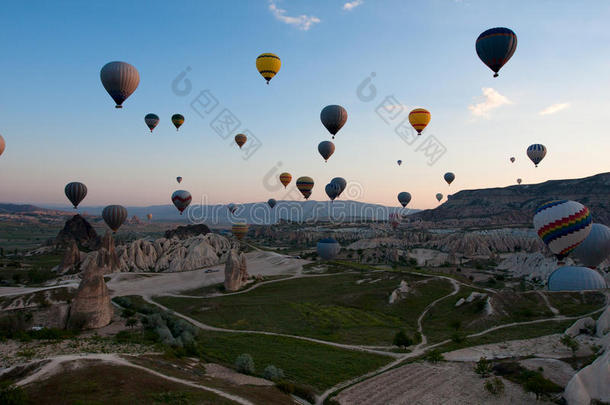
(151, 121)
(341, 182)
(179, 179)
(495, 47)
(419, 119)
(596, 248)
(404, 198)
(536, 153)
(75, 192)
(305, 185)
(232, 208)
(181, 199)
(439, 197)
(114, 216)
(326, 149)
(268, 64)
(177, 120)
(332, 190)
(512, 159)
(449, 177)
(120, 79)
(328, 248)
(239, 230)
(285, 179)
(333, 118)
(240, 140)
(271, 202)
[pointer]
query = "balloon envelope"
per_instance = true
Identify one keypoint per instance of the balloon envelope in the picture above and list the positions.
(285, 179)
(149, 216)
(181, 199)
(399, 162)
(595, 248)
(268, 64)
(177, 120)
(240, 140)
(151, 121)
(305, 185)
(75, 192)
(341, 182)
(326, 149)
(519, 181)
(419, 119)
(2, 144)
(536, 153)
(333, 117)
(239, 230)
(232, 208)
(120, 79)
(495, 47)
(328, 248)
(562, 225)
(449, 177)
(332, 190)
(271, 202)
(114, 216)
(574, 278)
(179, 179)
(404, 198)
(512, 160)
(439, 196)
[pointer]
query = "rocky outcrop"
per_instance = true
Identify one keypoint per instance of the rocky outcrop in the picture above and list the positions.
(530, 265)
(91, 307)
(236, 271)
(79, 230)
(399, 293)
(582, 325)
(105, 257)
(592, 382)
(187, 231)
(473, 296)
(72, 258)
(602, 327)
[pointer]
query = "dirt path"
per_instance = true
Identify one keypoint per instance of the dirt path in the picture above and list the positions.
(551, 308)
(54, 366)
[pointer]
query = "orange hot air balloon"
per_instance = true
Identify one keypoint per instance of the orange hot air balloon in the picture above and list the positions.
(239, 230)
(419, 119)
(285, 178)
(149, 216)
(240, 139)
(305, 185)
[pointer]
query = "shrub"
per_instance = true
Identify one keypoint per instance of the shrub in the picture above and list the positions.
(495, 386)
(483, 367)
(245, 364)
(458, 337)
(301, 391)
(402, 340)
(456, 324)
(273, 373)
(570, 343)
(12, 395)
(434, 356)
(131, 322)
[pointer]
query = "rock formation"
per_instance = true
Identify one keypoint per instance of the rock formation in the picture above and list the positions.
(72, 258)
(187, 231)
(592, 382)
(602, 326)
(77, 229)
(105, 257)
(236, 271)
(582, 325)
(399, 293)
(91, 308)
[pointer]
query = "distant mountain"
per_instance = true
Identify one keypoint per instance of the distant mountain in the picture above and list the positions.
(515, 205)
(6, 208)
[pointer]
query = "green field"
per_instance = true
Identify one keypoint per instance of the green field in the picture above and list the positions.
(576, 303)
(334, 308)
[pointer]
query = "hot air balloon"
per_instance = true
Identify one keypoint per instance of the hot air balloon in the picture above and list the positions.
(179, 179)
(519, 181)
(333, 117)
(395, 219)
(149, 216)
(240, 139)
(2, 144)
(596, 248)
(75, 192)
(177, 120)
(114, 216)
(399, 162)
(449, 177)
(536, 153)
(271, 202)
(404, 198)
(340, 181)
(232, 208)
(181, 199)
(439, 197)
(326, 149)
(305, 184)
(285, 178)
(562, 225)
(151, 121)
(240, 230)
(512, 159)
(419, 119)
(120, 79)
(268, 64)
(574, 278)
(332, 190)
(495, 47)
(328, 248)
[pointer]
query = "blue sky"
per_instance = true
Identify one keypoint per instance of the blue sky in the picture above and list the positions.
(60, 125)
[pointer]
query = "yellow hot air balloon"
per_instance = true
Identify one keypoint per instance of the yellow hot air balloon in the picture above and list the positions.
(268, 64)
(419, 119)
(240, 139)
(239, 230)
(285, 178)
(305, 185)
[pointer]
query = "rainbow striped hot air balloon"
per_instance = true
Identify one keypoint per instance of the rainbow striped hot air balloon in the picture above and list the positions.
(419, 119)
(562, 225)
(239, 230)
(305, 185)
(285, 179)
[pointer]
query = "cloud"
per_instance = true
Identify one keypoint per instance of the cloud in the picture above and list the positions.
(302, 22)
(554, 108)
(350, 5)
(493, 100)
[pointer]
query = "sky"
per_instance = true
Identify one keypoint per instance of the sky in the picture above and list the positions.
(378, 59)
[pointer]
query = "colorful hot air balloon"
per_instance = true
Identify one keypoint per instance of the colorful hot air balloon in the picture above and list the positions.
(333, 117)
(177, 120)
(151, 121)
(114, 216)
(449, 177)
(341, 182)
(404, 198)
(495, 47)
(536, 153)
(439, 197)
(268, 64)
(512, 159)
(271, 202)
(232, 208)
(285, 179)
(2, 144)
(240, 230)
(519, 181)
(305, 185)
(181, 199)
(419, 119)
(399, 162)
(120, 79)
(149, 216)
(562, 225)
(328, 248)
(75, 192)
(179, 179)
(326, 149)
(332, 190)
(240, 139)
(596, 248)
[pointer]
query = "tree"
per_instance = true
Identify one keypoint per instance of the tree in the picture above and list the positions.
(131, 322)
(402, 340)
(244, 364)
(434, 356)
(495, 386)
(570, 343)
(483, 367)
